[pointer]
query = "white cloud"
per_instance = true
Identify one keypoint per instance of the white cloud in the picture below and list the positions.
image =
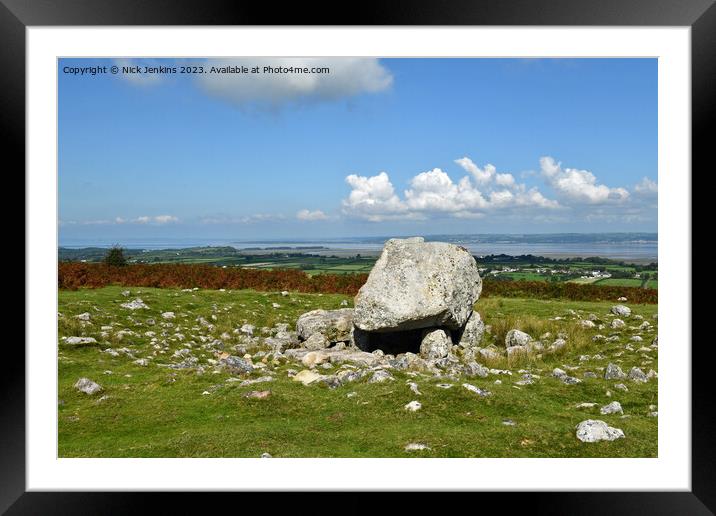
(482, 176)
(242, 219)
(372, 198)
(506, 180)
(347, 77)
(309, 215)
(578, 186)
(434, 192)
(158, 219)
(646, 188)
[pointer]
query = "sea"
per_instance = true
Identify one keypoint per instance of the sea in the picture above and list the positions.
(638, 250)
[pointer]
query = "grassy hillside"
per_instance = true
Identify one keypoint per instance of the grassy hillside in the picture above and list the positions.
(155, 411)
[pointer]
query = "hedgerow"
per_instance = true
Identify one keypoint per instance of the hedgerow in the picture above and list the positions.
(74, 275)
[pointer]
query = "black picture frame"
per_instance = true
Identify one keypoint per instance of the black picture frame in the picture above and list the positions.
(17, 15)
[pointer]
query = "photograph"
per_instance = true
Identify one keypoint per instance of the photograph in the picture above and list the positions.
(357, 257)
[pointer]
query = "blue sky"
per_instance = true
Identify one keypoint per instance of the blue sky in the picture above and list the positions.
(376, 147)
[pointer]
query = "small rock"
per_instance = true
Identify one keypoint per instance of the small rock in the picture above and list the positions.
(306, 377)
(476, 390)
(87, 386)
(614, 372)
(612, 408)
(637, 375)
(593, 430)
(75, 341)
(413, 406)
(168, 315)
(621, 310)
(517, 338)
(135, 304)
(416, 447)
(259, 395)
(381, 376)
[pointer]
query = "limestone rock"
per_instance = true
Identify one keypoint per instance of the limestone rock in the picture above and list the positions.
(435, 344)
(593, 430)
(621, 310)
(473, 331)
(517, 338)
(87, 386)
(334, 325)
(417, 284)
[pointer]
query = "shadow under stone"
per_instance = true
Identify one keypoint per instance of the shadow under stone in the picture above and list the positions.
(390, 342)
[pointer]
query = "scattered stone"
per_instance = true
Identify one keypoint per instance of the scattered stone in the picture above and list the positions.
(306, 377)
(621, 310)
(168, 315)
(614, 372)
(275, 305)
(125, 293)
(613, 408)
(622, 299)
(508, 422)
(135, 304)
(444, 385)
(593, 430)
(142, 362)
(258, 395)
(476, 390)
(564, 377)
(637, 375)
(586, 323)
(517, 338)
(617, 323)
(247, 329)
(84, 317)
(314, 358)
(381, 376)
(334, 325)
(585, 405)
(80, 341)
(435, 344)
(266, 455)
(87, 386)
(284, 293)
(413, 406)
(416, 447)
(253, 381)
(236, 365)
(475, 369)
(414, 387)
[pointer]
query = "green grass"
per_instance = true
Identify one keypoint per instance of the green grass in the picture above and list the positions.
(620, 282)
(160, 412)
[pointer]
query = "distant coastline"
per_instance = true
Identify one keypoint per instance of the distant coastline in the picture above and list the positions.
(635, 247)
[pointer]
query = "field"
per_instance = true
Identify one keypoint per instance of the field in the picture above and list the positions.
(317, 261)
(157, 411)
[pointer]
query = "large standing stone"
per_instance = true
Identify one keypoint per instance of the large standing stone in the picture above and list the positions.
(417, 284)
(334, 325)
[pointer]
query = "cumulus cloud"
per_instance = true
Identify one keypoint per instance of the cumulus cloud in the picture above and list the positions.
(346, 77)
(646, 188)
(482, 176)
(579, 186)
(435, 192)
(309, 215)
(373, 198)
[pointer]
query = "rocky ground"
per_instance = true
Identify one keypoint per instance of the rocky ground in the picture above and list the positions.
(159, 372)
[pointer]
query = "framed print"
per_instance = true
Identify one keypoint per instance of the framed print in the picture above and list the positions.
(421, 249)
